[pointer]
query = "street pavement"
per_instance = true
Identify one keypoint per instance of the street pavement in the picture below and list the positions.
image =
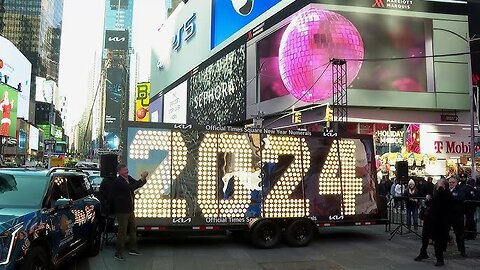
(333, 248)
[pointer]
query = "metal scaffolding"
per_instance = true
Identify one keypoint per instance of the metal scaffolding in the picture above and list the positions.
(339, 82)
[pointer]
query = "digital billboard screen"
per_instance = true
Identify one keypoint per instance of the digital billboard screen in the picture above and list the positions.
(33, 138)
(175, 105)
(217, 92)
(156, 110)
(114, 85)
(116, 40)
(8, 108)
(295, 58)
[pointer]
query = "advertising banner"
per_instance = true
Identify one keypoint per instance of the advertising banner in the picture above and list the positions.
(217, 93)
(33, 138)
(116, 40)
(16, 70)
(175, 105)
(237, 13)
(142, 101)
(113, 106)
(8, 108)
(46, 131)
(156, 110)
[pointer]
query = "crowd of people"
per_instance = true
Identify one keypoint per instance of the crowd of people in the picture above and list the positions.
(449, 204)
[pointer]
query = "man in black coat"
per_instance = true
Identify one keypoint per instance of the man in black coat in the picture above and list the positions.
(123, 205)
(435, 223)
(456, 212)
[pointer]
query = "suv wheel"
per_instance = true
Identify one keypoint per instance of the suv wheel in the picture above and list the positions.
(94, 239)
(36, 259)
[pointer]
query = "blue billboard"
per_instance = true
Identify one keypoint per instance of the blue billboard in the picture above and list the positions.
(229, 16)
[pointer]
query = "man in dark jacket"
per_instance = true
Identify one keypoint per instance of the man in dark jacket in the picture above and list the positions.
(456, 213)
(429, 186)
(435, 223)
(123, 205)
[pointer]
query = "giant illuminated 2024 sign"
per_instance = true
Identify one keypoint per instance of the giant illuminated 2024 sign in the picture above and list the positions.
(228, 173)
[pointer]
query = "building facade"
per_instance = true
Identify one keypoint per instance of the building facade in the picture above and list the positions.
(407, 68)
(115, 71)
(34, 27)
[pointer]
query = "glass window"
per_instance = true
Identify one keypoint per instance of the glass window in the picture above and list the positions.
(77, 187)
(22, 191)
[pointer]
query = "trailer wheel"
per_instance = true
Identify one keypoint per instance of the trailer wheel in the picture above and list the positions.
(299, 233)
(265, 234)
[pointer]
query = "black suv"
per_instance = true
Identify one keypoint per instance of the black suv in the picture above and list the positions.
(46, 217)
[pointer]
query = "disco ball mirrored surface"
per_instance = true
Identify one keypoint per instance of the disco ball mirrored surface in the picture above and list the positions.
(312, 38)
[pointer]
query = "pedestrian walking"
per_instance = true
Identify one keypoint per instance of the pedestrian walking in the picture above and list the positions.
(123, 201)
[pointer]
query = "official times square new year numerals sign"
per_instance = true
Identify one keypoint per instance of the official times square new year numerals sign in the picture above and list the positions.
(230, 174)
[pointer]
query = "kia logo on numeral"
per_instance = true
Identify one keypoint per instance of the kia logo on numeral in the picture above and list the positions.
(182, 220)
(182, 126)
(336, 217)
(330, 134)
(116, 39)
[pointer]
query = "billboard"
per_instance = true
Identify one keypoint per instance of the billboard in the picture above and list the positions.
(113, 107)
(16, 70)
(142, 101)
(217, 92)
(230, 16)
(33, 138)
(156, 110)
(175, 105)
(116, 40)
(8, 108)
(294, 65)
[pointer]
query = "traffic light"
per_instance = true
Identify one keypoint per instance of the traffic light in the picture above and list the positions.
(297, 117)
(328, 114)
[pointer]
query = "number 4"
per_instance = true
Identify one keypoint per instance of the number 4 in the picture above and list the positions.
(341, 161)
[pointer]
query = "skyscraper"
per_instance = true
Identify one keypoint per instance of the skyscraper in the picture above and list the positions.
(34, 27)
(115, 71)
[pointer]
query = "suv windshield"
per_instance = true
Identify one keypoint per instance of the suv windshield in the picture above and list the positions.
(26, 191)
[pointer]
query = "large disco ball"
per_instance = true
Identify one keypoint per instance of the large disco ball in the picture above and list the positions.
(312, 38)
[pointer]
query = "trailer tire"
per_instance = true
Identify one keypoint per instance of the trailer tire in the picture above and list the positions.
(299, 233)
(266, 234)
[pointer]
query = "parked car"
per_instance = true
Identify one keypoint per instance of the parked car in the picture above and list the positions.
(46, 217)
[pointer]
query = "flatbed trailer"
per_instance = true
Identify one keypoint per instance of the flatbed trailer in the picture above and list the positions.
(271, 184)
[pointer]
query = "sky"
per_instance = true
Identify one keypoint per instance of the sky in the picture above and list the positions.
(82, 37)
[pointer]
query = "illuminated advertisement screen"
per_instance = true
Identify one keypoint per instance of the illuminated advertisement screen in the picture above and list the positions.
(142, 99)
(33, 138)
(175, 105)
(295, 58)
(8, 108)
(156, 110)
(233, 174)
(113, 107)
(237, 13)
(217, 93)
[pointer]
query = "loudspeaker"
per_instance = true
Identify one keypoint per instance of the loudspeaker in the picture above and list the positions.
(402, 170)
(108, 165)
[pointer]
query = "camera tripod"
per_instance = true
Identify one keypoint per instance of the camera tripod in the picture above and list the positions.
(399, 229)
